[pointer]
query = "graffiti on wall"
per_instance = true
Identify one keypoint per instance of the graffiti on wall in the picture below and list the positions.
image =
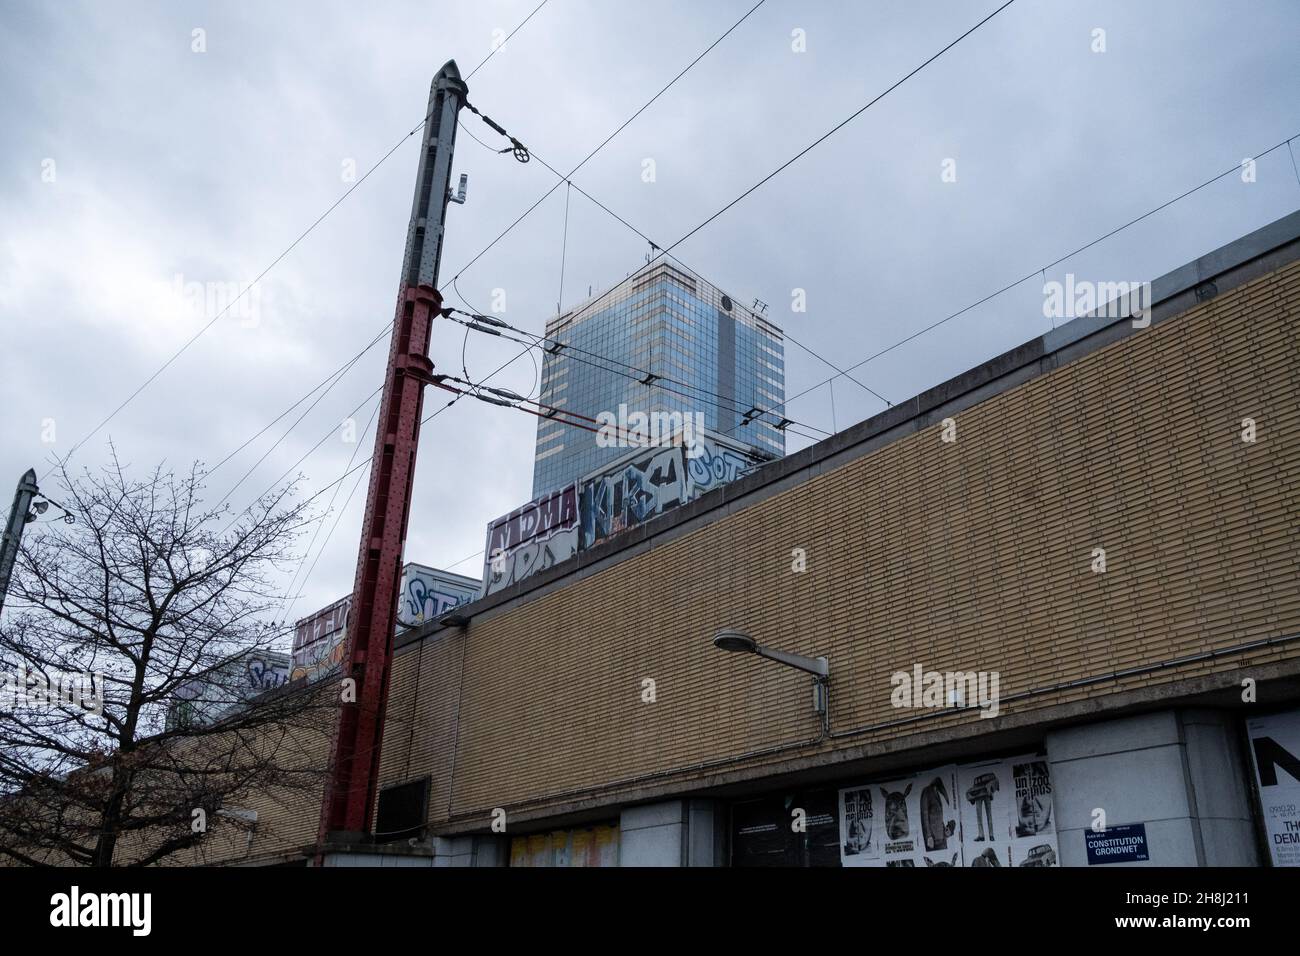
(267, 674)
(322, 625)
(319, 658)
(225, 686)
(427, 594)
(713, 466)
(318, 641)
(537, 536)
(635, 491)
(626, 494)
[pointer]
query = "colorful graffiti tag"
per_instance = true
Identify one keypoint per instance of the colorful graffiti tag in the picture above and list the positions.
(532, 538)
(318, 640)
(225, 686)
(428, 593)
(713, 466)
(633, 492)
(628, 493)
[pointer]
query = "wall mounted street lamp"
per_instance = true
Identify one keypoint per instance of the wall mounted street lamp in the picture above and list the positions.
(730, 639)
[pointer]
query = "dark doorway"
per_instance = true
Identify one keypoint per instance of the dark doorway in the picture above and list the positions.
(763, 831)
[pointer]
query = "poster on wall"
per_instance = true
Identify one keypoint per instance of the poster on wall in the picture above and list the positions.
(903, 823)
(859, 834)
(986, 810)
(900, 821)
(940, 826)
(584, 847)
(1034, 829)
(995, 813)
(1275, 753)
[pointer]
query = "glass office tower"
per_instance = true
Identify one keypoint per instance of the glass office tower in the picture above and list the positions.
(699, 351)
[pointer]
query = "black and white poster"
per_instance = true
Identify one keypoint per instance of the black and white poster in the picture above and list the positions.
(987, 795)
(859, 839)
(1033, 797)
(1034, 826)
(900, 820)
(1275, 753)
(908, 822)
(995, 813)
(1008, 816)
(940, 827)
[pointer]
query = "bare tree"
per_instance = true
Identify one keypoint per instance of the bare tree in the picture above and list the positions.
(128, 641)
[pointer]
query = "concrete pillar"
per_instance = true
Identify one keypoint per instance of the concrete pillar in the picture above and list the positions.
(491, 850)
(471, 850)
(706, 843)
(653, 834)
(1219, 772)
(1178, 772)
(674, 833)
(453, 851)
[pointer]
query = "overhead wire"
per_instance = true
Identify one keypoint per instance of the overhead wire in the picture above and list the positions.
(387, 327)
(564, 245)
(482, 252)
(537, 372)
(636, 374)
(276, 444)
(642, 375)
(261, 275)
(605, 142)
(285, 609)
(499, 46)
(62, 462)
(666, 251)
(843, 123)
(1040, 270)
(324, 438)
(660, 252)
(428, 418)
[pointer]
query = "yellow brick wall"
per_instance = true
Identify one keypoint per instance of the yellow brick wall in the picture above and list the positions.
(967, 556)
(287, 816)
(420, 728)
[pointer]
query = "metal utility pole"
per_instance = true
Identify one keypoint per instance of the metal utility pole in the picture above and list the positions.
(18, 518)
(354, 769)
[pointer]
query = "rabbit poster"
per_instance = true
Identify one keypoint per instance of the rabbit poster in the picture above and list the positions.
(994, 813)
(908, 822)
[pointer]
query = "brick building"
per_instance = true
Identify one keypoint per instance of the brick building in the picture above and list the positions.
(1112, 534)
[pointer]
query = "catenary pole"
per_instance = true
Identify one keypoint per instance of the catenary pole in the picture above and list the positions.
(348, 808)
(18, 518)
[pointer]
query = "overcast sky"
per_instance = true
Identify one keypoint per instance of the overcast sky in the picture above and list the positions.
(134, 165)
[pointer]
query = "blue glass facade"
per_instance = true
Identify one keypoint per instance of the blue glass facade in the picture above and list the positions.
(708, 354)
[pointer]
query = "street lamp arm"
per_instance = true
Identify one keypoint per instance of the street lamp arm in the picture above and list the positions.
(818, 666)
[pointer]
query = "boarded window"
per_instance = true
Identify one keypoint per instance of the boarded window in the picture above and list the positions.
(402, 811)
